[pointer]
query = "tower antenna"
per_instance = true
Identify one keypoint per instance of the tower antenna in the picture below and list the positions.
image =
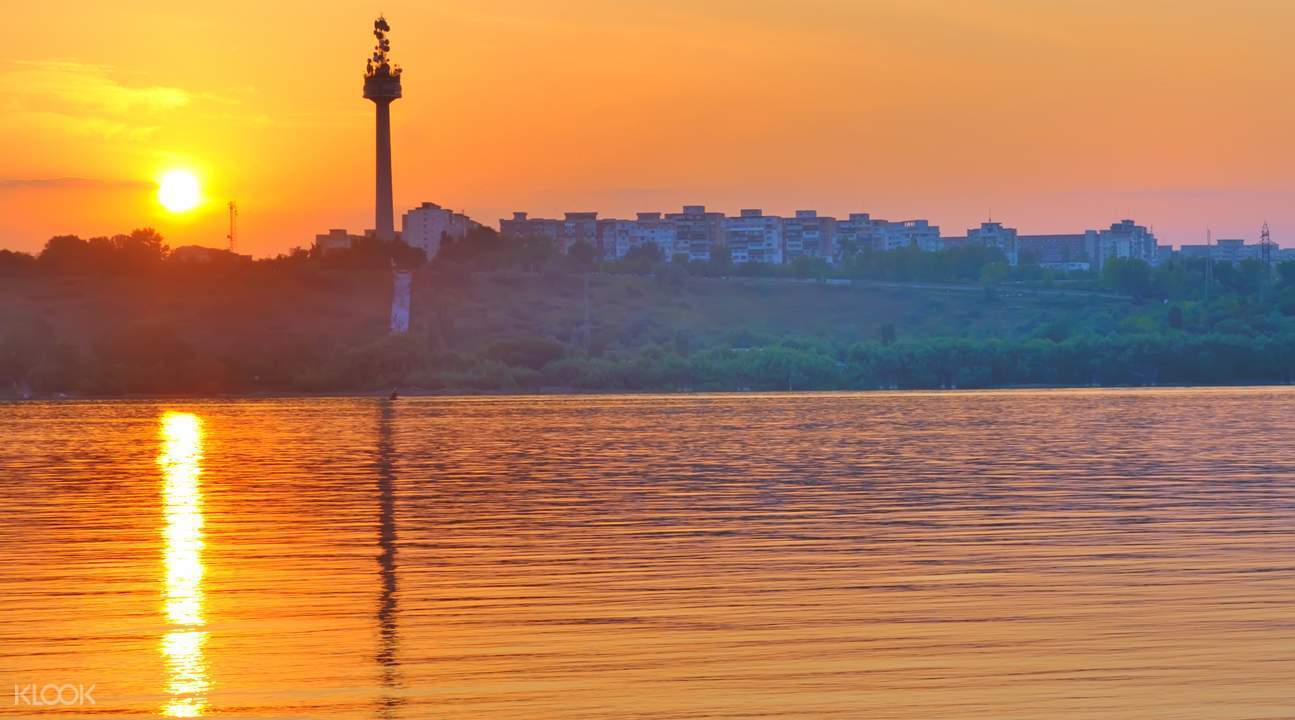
(1266, 248)
(232, 237)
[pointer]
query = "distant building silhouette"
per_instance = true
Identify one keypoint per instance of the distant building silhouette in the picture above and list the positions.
(696, 231)
(753, 236)
(200, 255)
(808, 235)
(427, 225)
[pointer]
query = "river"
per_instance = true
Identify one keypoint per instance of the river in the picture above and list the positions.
(1015, 554)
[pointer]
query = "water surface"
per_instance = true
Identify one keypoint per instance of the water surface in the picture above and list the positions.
(1051, 554)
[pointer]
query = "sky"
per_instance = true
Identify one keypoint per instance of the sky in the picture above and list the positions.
(1048, 115)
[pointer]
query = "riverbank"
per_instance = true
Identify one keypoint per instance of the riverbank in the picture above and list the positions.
(265, 330)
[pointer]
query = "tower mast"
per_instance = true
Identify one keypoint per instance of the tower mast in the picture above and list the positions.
(232, 237)
(382, 86)
(1266, 249)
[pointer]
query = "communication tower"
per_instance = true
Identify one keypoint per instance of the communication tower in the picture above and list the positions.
(232, 237)
(1267, 251)
(382, 86)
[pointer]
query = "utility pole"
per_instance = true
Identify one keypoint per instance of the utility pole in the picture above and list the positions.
(1266, 253)
(587, 324)
(1209, 262)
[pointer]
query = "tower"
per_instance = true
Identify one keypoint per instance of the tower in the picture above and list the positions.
(1267, 251)
(382, 85)
(232, 237)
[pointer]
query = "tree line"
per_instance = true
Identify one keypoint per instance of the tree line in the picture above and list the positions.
(144, 359)
(485, 250)
(1238, 328)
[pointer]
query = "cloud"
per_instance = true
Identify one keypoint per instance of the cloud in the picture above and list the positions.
(58, 85)
(60, 183)
(89, 100)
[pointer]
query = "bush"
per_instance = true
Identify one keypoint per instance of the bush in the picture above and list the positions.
(529, 352)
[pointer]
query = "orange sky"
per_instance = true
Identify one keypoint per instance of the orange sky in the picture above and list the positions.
(1055, 115)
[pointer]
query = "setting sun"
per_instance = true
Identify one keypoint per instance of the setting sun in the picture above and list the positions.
(178, 191)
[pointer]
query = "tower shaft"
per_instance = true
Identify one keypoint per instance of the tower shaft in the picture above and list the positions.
(384, 214)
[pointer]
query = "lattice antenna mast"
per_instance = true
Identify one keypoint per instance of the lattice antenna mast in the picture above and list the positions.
(1267, 252)
(232, 237)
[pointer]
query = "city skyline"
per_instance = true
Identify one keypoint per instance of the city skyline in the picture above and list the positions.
(1047, 118)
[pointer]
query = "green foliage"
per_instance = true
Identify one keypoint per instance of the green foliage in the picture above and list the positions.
(888, 333)
(582, 257)
(1128, 276)
(499, 314)
(155, 359)
(1286, 272)
(371, 253)
(641, 260)
(1175, 317)
(529, 352)
(143, 250)
(16, 263)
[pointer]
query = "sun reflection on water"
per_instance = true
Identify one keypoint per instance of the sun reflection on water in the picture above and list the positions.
(182, 647)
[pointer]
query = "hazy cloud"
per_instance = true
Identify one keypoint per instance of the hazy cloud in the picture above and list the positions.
(69, 183)
(70, 85)
(85, 99)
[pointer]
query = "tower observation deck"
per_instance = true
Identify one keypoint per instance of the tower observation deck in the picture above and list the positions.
(382, 86)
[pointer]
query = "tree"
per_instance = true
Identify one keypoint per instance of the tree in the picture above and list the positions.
(582, 257)
(530, 352)
(1252, 275)
(1286, 271)
(721, 261)
(640, 259)
(994, 273)
(888, 334)
(16, 263)
(804, 266)
(1176, 317)
(64, 254)
(1127, 275)
(142, 249)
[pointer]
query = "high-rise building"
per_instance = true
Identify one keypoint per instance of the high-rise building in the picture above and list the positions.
(992, 234)
(619, 237)
(1223, 250)
(920, 234)
(521, 225)
(696, 231)
(382, 86)
(579, 227)
(1124, 239)
(1068, 251)
(753, 237)
(859, 233)
(429, 224)
(808, 235)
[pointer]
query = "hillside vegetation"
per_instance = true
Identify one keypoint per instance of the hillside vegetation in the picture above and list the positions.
(303, 324)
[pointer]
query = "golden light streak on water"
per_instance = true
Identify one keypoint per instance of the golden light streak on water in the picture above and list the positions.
(182, 647)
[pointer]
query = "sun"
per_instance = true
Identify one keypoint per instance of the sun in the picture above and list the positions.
(178, 191)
